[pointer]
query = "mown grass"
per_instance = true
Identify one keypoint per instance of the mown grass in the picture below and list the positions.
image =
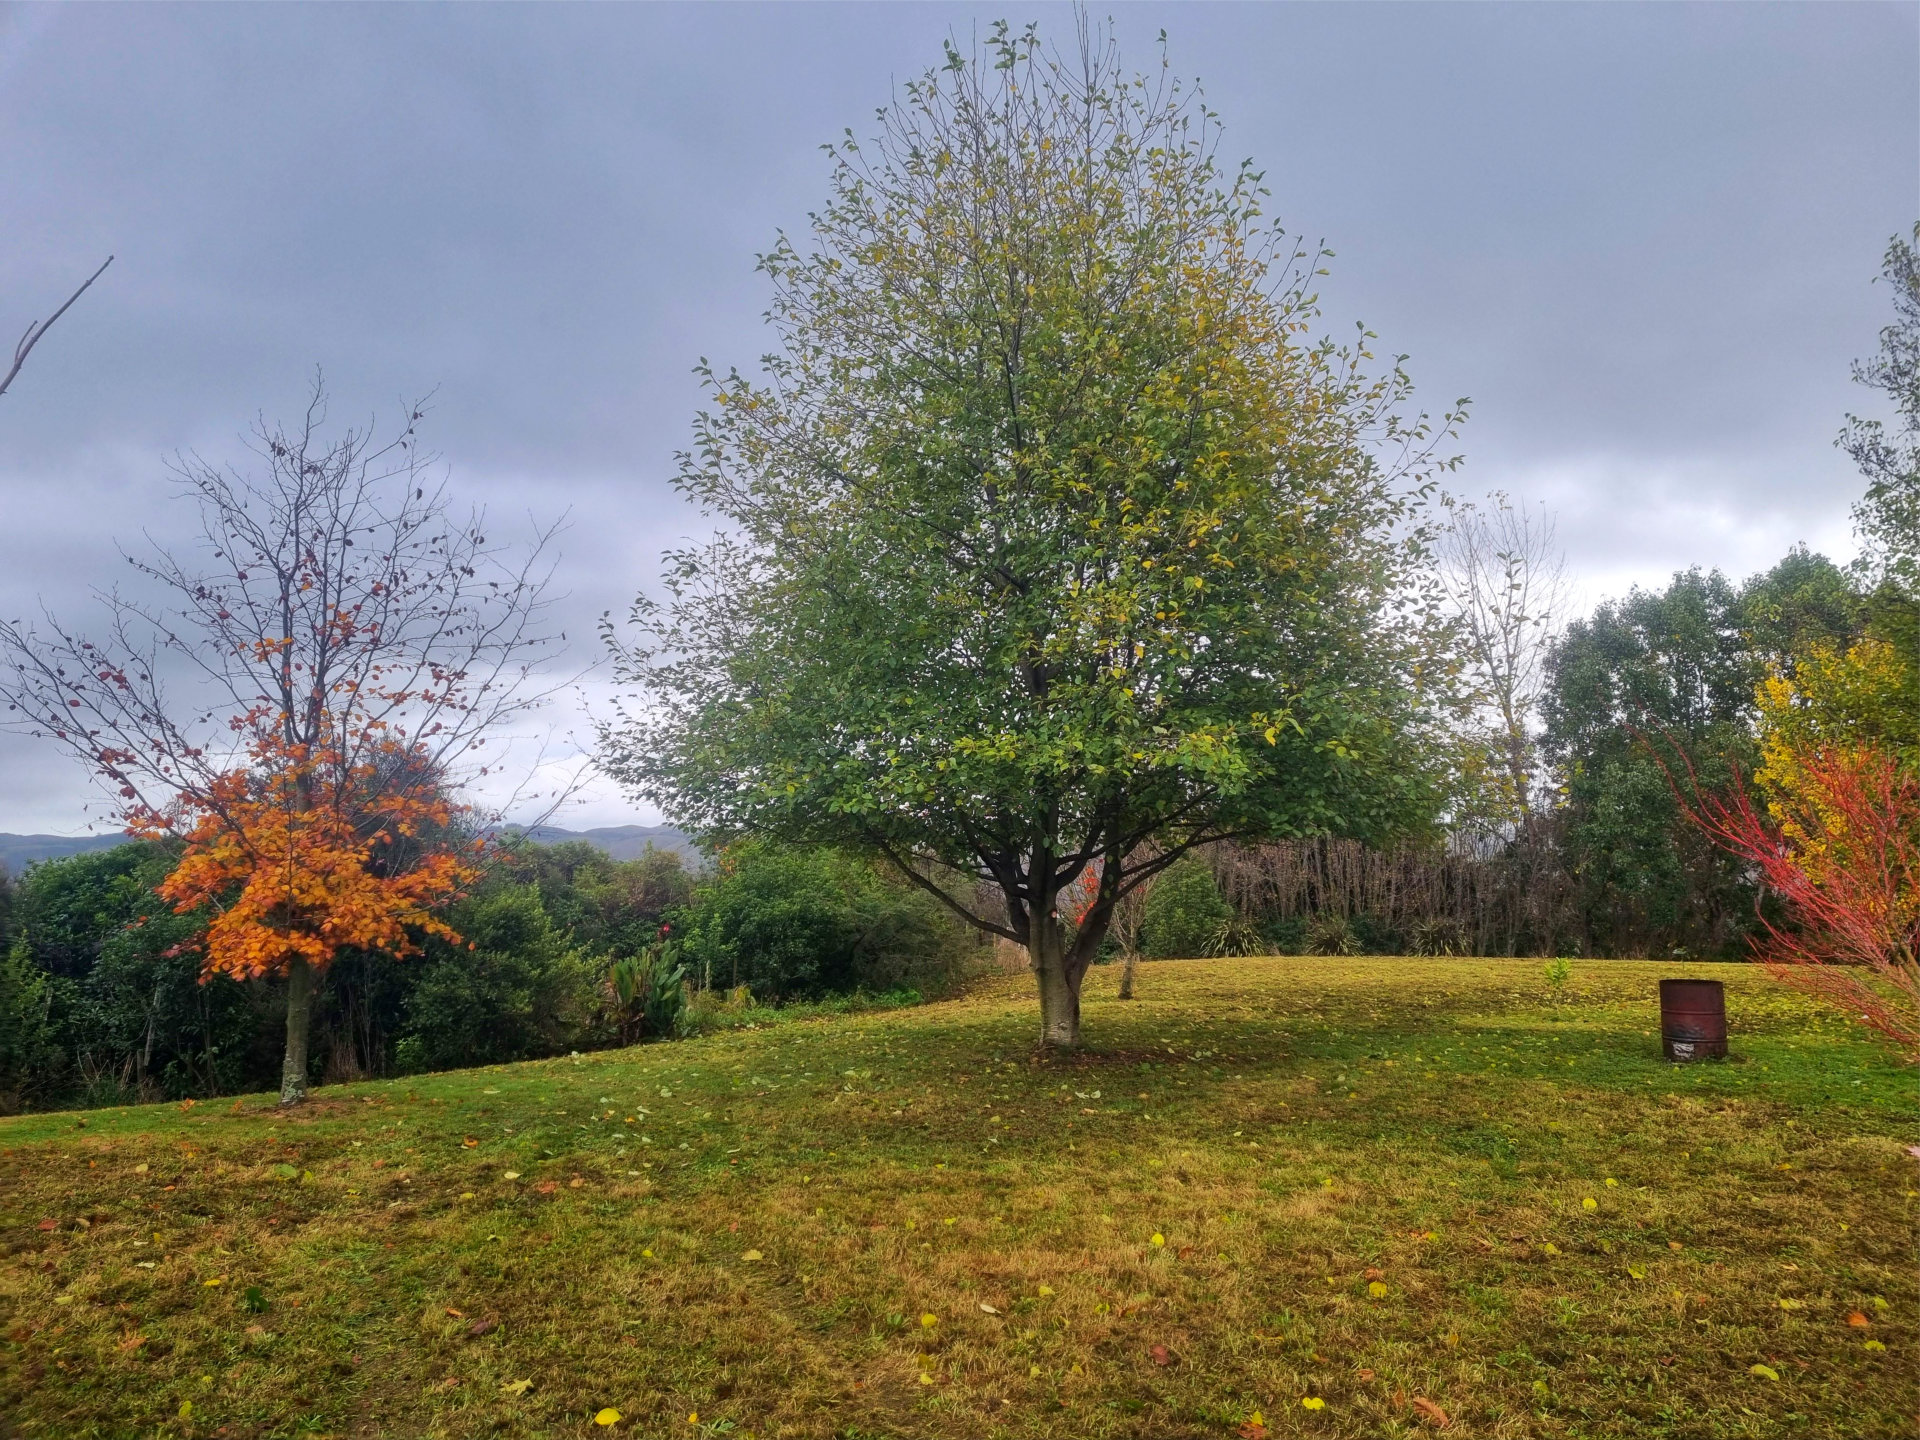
(903, 1223)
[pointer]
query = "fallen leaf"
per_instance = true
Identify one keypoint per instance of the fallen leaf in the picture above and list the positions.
(457, 1314)
(1589, 1203)
(1366, 1374)
(986, 1309)
(1184, 1252)
(1636, 1272)
(49, 1224)
(1786, 1304)
(511, 1175)
(132, 1343)
(1431, 1411)
(1313, 1402)
(469, 1142)
(925, 1378)
(1873, 1345)
(216, 1280)
(608, 1416)
(1374, 1274)
(575, 1183)
(1046, 1290)
(929, 1320)
(753, 1255)
(1161, 1355)
(1254, 1429)
(546, 1187)
(1551, 1248)
(516, 1387)
(1158, 1240)
(1765, 1372)
(1673, 1244)
(1377, 1289)
(482, 1327)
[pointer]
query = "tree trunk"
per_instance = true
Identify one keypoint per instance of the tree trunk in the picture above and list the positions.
(1126, 975)
(1059, 985)
(293, 1070)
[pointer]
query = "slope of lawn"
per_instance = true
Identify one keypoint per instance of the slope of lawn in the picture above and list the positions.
(1348, 1195)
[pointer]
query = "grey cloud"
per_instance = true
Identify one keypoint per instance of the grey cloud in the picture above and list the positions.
(1641, 237)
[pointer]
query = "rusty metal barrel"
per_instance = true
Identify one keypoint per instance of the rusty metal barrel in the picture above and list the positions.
(1693, 1020)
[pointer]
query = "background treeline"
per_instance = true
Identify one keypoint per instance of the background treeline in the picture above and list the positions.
(1589, 853)
(101, 1000)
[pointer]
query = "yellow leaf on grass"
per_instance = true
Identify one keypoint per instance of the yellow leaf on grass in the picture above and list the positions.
(694, 1418)
(608, 1416)
(1377, 1289)
(1033, 1371)
(516, 1387)
(753, 1255)
(1636, 1272)
(1873, 1345)
(986, 1309)
(1611, 1182)
(1765, 1372)
(1046, 1289)
(511, 1175)
(216, 1280)
(1158, 1239)
(1589, 1203)
(1786, 1304)
(929, 1320)
(1551, 1248)
(1313, 1402)
(925, 1378)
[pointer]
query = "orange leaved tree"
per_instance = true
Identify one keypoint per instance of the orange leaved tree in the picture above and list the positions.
(299, 703)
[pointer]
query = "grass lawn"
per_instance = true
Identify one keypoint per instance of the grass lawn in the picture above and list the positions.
(1348, 1195)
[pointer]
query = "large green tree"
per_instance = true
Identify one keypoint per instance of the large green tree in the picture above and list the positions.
(1049, 531)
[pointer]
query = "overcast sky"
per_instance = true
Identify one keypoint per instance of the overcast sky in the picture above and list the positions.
(1640, 237)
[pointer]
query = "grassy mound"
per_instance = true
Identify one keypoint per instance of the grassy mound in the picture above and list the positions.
(1348, 1195)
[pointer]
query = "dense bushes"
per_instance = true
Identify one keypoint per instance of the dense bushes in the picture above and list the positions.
(795, 924)
(101, 999)
(1184, 911)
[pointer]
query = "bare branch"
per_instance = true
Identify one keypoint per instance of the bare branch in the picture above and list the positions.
(40, 327)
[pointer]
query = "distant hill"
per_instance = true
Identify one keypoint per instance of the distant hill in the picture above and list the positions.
(19, 851)
(621, 842)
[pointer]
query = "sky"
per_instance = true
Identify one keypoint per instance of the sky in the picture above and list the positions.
(1642, 239)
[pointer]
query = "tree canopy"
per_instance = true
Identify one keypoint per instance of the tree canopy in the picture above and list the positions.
(1048, 530)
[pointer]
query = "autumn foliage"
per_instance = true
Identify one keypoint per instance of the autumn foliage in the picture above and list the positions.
(299, 857)
(1841, 849)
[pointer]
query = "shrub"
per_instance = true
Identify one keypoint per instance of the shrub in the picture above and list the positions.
(1329, 934)
(794, 923)
(1185, 911)
(30, 1058)
(1437, 935)
(649, 992)
(520, 991)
